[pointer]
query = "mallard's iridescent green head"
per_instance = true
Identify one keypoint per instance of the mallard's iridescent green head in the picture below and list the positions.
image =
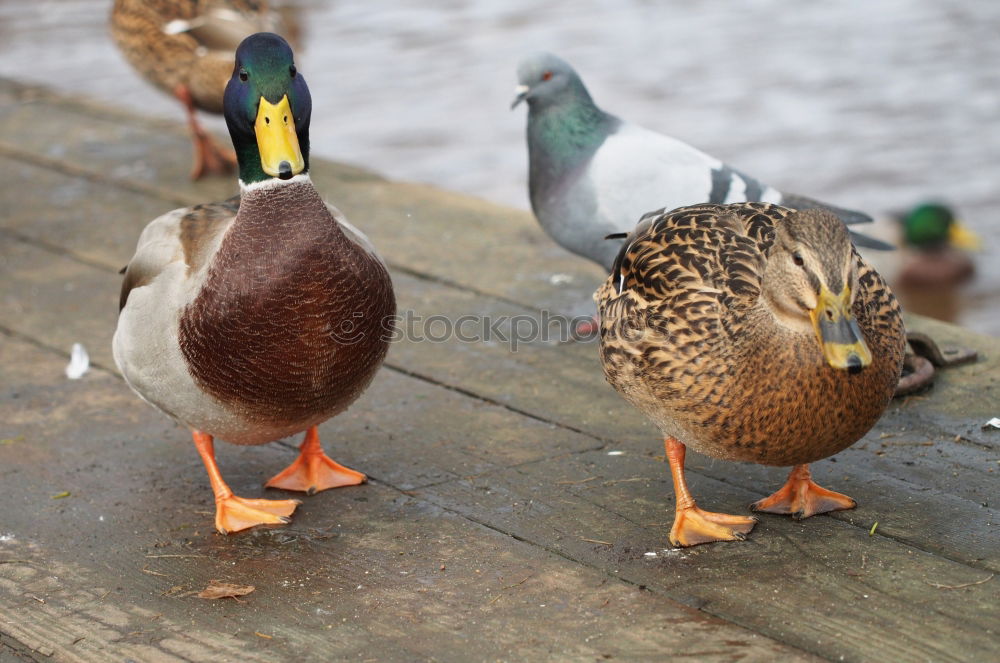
(927, 225)
(933, 225)
(267, 108)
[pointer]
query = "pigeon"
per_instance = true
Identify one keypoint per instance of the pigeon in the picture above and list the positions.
(593, 175)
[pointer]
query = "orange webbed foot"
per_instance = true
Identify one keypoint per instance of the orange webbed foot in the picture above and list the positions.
(693, 526)
(314, 471)
(233, 513)
(802, 497)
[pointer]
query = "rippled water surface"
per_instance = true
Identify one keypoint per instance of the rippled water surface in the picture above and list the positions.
(873, 105)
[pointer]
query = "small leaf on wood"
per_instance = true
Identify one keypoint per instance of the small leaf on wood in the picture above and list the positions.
(224, 590)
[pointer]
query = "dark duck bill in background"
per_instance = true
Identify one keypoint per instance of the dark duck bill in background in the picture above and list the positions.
(254, 321)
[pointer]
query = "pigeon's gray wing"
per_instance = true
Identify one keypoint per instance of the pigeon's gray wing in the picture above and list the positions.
(636, 171)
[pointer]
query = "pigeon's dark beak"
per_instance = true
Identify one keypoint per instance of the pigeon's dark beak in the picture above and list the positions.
(522, 93)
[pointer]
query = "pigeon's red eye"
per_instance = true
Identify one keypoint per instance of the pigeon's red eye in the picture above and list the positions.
(547, 75)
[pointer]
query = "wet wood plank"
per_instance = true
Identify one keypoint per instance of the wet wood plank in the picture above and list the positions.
(820, 584)
(368, 571)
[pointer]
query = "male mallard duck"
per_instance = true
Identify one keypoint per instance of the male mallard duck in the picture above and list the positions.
(592, 174)
(255, 321)
(936, 247)
(933, 248)
(185, 48)
(750, 332)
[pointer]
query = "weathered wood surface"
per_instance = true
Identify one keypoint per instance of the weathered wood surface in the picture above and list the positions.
(496, 526)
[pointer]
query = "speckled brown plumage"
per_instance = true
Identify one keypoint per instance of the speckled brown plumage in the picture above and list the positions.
(688, 336)
(201, 59)
(187, 49)
(293, 319)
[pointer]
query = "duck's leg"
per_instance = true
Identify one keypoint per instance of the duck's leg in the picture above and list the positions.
(802, 498)
(209, 156)
(232, 513)
(587, 329)
(692, 525)
(313, 470)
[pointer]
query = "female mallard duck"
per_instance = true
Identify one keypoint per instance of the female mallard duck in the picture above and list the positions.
(253, 321)
(750, 332)
(185, 48)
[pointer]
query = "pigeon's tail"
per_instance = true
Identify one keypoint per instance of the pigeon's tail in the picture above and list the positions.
(849, 217)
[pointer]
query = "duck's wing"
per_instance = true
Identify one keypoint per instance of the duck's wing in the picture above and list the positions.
(718, 248)
(220, 25)
(686, 280)
(191, 234)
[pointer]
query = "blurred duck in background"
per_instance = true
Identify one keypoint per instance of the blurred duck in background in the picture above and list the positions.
(938, 245)
(934, 247)
(935, 257)
(186, 48)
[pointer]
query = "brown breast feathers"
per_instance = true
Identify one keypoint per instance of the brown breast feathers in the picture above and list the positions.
(293, 319)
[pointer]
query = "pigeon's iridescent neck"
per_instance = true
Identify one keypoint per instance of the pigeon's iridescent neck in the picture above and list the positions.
(562, 138)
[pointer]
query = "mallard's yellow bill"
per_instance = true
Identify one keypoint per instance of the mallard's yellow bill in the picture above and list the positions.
(277, 141)
(961, 237)
(838, 333)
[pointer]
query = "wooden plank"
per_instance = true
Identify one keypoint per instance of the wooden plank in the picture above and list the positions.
(52, 300)
(363, 571)
(820, 584)
(12, 651)
(566, 387)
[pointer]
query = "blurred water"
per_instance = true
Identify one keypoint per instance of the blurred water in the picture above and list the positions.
(873, 105)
